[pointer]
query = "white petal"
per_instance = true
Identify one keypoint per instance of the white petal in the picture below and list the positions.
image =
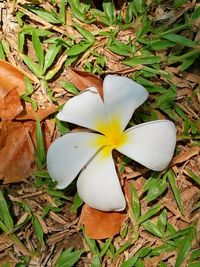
(98, 184)
(85, 109)
(122, 96)
(151, 144)
(68, 155)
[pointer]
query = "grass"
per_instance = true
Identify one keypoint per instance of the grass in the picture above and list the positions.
(157, 45)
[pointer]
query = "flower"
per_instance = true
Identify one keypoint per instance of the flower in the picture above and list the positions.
(151, 144)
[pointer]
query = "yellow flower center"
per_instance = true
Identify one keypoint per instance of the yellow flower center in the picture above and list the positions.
(113, 136)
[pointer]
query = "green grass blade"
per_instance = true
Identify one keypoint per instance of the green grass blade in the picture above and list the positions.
(40, 149)
(68, 258)
(135, 203)
(35, 68)
(50, 56)
(175, 190)
(38, 48)
(4, 212)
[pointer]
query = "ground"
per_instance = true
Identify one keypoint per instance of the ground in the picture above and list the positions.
(53, 43)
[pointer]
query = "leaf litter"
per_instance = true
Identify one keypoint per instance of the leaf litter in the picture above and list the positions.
(63, 49)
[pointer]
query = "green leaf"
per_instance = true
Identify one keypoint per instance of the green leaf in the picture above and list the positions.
(92, 244)
(185, 247)
(180, 233)
(62, 126)
(194, 264)
(4, 213)
(120, 48)
(139, 6)
(95, 261)
(156, 190)
(68, 258)
(76, 10)
(179, 3)
(165, 100)
(56, 193)
(135, 203)
(40, 149)
(86, 34)
(29, 86)
(45, 15)
(69, 87)
(123, 248)
(192, 53)
(146, 60)
(188, 62)
(38, 49)
(175, 29)
(161, 44)
(162, 221)
(30, 100)
(38, 31)
(78, 48)
(101, 17)
(176, 192)
(77, 202)
(70, 60)
(162, 249)
(195, 255)
(50, 56)
(196, 13)
(175, 38)
(150, 213)
(193, 176)
(21, 41)
(2, 54)
(32, 66)
(124, 230)
(38, 229)
(109, 10)
(105, 247)
(143, 252)
(62, 13)
(129, 12)
(152, 228)
(151, 181)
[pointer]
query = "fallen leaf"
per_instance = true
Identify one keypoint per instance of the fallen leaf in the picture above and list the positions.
(12, 85)
(17, 157)
(29, 114)
(10, 78)
(83, 80)
(10, 105)
(101, 225)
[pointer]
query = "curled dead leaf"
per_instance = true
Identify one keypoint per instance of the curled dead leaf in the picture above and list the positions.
(101, 225)
(83, 80)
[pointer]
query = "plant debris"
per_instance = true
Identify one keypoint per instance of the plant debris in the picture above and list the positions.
(51, 50)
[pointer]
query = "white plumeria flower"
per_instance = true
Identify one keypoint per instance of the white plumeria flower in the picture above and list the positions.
(151, 144)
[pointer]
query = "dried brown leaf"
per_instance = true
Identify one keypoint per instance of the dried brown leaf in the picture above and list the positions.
(17, 159)
(10, 78)
(99, 224)
(83, 80)
(29, 114)
(10, 105)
